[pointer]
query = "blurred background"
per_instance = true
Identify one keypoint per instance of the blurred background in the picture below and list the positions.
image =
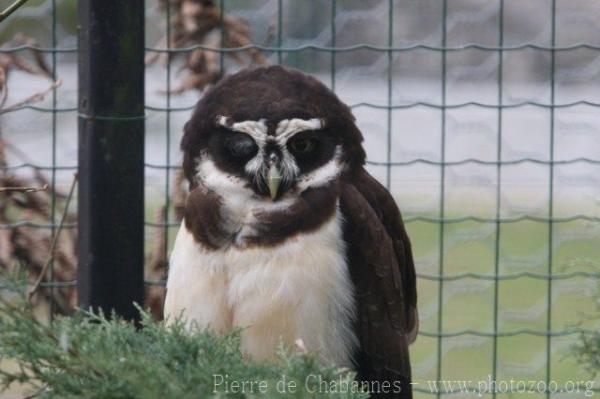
(481, 116)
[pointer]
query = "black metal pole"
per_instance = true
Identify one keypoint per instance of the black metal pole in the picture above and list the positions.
(111, 155)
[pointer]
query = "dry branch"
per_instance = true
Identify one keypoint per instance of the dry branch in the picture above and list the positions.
(32, 199)
(199, 22)
(23, 189)
(11, 8)
(31, 99)
(52, 250)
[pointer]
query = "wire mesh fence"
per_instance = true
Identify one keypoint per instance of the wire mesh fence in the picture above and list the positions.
(479, 117)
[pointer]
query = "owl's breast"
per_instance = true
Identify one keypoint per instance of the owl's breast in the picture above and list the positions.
(299, 289)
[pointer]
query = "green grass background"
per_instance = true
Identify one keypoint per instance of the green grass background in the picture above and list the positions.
(468, 304)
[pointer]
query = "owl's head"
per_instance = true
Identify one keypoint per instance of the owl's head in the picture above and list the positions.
(271, 131)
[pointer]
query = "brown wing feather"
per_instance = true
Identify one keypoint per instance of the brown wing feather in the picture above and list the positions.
(384, 205)
(382, 271)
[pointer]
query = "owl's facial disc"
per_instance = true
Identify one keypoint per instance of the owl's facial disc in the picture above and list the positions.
(272, 159)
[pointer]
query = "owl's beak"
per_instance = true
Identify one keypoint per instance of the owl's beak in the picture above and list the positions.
(274, 176)
(273, 180)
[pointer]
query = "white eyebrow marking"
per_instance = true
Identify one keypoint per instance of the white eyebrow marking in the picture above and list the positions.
(256, 129)
(286, 128)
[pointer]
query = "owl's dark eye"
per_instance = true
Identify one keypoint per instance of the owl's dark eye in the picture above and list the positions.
(241, 145)
(302, 145)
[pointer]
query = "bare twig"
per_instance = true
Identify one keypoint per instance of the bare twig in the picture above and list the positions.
(54, 239)
(3, 88)
(32, 99)
(11, 8)
(39, 177)
(23, 189)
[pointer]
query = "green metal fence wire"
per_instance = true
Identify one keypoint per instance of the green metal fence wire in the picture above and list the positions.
(168, 133)
(443, 218)
(498, 192)
(53, 172)
(442, 213)
(551, 200)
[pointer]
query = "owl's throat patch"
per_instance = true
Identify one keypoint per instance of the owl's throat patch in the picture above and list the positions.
(219, 223)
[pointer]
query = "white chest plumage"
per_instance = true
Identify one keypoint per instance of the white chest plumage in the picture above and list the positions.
(300, 289)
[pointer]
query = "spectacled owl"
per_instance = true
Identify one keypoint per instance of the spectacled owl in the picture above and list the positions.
(286, 235)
